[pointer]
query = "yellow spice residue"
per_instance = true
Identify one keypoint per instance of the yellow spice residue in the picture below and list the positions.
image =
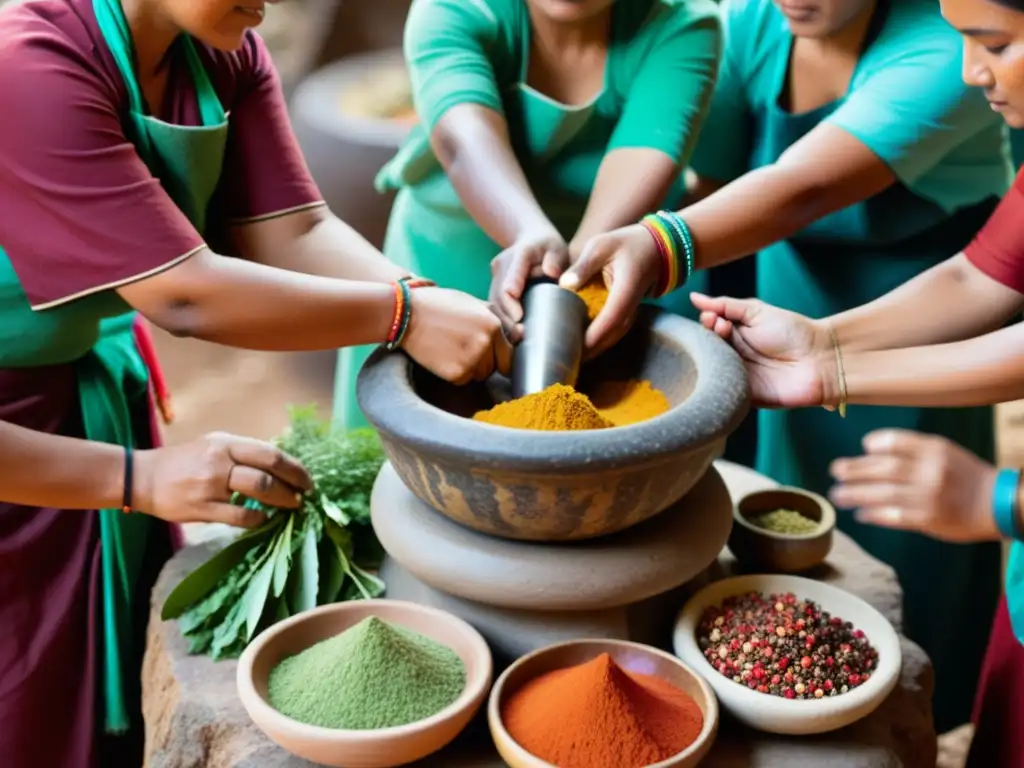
(560, 408)
(627, 402)
(594, 295)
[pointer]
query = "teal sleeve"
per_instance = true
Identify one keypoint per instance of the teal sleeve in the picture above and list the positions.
(668, 98)
(448, 48)
(913, 108)
(726, 140)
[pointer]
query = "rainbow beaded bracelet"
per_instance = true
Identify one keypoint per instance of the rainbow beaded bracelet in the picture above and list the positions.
(675, 244)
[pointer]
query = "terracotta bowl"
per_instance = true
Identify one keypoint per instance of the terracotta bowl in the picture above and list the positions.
(762, 550)
(775, 714)
(362, 749)
(558, 486)
(631, 656)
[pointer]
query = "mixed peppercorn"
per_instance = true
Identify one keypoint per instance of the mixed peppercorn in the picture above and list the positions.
(784, 646)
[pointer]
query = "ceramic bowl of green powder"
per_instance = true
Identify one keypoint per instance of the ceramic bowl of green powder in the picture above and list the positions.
(366, 684)
(782, 530)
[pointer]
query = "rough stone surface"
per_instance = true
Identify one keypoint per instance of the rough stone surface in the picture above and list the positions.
(194, 719)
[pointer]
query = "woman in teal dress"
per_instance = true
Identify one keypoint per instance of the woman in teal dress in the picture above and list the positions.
(543, 123)
(843, 146)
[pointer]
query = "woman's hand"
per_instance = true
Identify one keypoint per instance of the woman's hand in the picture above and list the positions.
(911, 481)
(194, 482)
(542, 254)
(628, 261)
(789, 358)
(455, 336)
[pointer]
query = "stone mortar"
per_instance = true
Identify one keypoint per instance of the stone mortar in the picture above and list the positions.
(560, 486)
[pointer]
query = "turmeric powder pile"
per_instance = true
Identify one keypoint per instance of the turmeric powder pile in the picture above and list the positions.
(560, 408)
(594, 295)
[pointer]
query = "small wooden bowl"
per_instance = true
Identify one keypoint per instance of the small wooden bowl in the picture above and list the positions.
(631, 656)
(382, 748)
(763, 550)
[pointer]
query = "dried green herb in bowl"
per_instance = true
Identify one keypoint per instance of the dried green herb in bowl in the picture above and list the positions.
(784, 521)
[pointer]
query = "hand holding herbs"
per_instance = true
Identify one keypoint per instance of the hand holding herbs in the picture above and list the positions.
(189, 483)
(316, 554)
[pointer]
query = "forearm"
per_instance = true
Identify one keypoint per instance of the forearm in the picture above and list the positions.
(241, 304)
(759, 208)
(951, 301)
(698, 187)
(629, 184)
(42, 470)
(985, 370)
(826, 171)
(473, 145)
(315, 242)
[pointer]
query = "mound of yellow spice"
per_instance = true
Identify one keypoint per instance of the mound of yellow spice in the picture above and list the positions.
(594, 295)
(560, 408)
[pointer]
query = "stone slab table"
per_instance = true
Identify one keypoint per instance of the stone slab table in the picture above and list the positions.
(194, 719)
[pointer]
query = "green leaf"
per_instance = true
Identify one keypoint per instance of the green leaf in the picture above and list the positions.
(342, 537)
(206, 577)
(200, 643)
(283, 556)
(369, 585)
(282, 612)
(255, 597)
(307, 582)
(227, 633)
(334, 512)
(205, 613)
(331, 573)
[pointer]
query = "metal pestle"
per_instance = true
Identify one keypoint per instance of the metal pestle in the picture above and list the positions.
(554, 323)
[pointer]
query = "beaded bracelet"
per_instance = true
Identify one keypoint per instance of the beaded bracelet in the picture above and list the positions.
(1005, 507)
(403, 309)
(675, 244)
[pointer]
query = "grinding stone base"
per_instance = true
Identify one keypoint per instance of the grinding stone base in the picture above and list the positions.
(512, 633)
(525, 595)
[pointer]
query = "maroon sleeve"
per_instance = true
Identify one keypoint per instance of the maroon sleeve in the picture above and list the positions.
(998, 249)
(265, 173)
(79, 210)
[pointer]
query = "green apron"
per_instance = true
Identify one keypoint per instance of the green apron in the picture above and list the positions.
(95, 332)
(560, 148)
(840, 262)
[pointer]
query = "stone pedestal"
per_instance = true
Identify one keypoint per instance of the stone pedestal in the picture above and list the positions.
(194, 718)
(525, 595)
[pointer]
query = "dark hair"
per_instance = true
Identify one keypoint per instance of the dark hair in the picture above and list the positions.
(1016, 5)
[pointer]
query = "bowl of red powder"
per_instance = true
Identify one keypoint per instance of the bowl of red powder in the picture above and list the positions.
(601, 703)
(789, 655)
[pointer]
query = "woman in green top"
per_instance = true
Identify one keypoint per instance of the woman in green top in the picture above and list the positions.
(544, 122)
(842, 144)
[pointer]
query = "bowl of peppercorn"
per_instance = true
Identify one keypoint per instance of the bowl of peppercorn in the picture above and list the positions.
(782, 530)
(789, 655)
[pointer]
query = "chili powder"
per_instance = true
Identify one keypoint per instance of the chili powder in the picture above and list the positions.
(599, 715)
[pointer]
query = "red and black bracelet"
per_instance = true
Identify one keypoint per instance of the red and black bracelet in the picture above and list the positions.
(403, 309)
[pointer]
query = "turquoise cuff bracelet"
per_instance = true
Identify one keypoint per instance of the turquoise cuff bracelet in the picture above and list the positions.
(1004, 503)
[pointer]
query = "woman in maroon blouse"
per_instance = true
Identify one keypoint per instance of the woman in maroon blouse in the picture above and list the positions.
(938, 340)
(144, 145)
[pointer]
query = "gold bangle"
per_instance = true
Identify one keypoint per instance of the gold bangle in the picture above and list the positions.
(840, 373)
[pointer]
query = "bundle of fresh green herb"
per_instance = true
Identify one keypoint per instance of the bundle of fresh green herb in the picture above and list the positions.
(318, 554)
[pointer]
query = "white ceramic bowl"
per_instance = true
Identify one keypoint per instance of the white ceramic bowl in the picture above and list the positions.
(775, 714)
